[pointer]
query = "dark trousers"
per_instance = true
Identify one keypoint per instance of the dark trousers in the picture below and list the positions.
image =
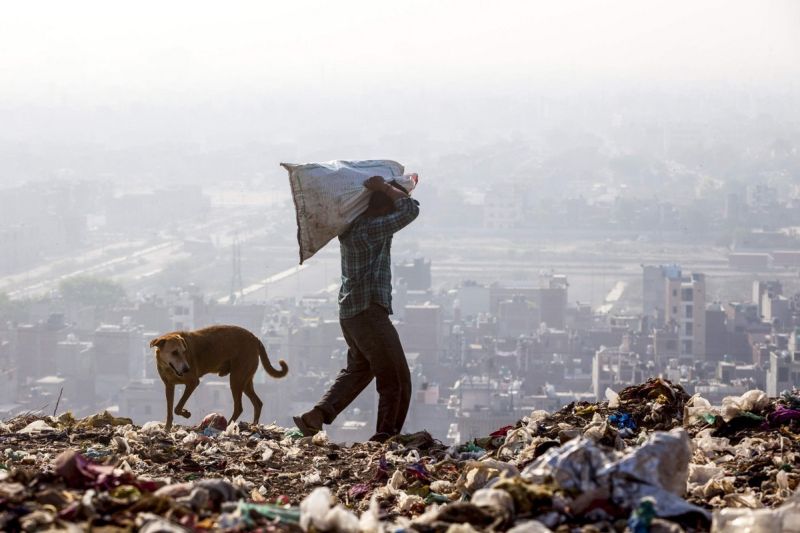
(374, 352)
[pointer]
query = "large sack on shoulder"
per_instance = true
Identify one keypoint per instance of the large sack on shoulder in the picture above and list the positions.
(328, 197)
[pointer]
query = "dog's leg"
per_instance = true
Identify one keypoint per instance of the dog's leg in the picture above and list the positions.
(179, 410)
(236, 391)
(170, 390)
(256, 401)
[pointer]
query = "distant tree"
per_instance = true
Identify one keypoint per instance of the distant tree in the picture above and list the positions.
(13, 310)
(86, 290)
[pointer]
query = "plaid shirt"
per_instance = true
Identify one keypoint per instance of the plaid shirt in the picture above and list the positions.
(366, 262)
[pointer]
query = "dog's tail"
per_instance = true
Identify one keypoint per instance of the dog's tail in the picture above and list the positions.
(271, 370)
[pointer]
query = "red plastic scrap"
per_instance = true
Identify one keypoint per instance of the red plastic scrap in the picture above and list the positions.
(358, 491)
(214, 421)
(502, 432)
(281, 500)
(79, 472)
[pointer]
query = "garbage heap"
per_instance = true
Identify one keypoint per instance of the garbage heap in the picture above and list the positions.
(650, 458)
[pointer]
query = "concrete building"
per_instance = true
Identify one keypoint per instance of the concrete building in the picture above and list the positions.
(517, 317)
(743, 317)
(483, 405)
(666, 346)
(35, 348)
(473, 299)
(415, 274)
(654, 291)
(504, 207)
(118, 355)
(777, 312)
(784, 367)
(615, 369)
(763, 289)
(143, 400)
(75, 361)
(48, 390)
(312, 343)
(553, 300)
(550, 296)
(786, 259)
(685, 307)
(187, 309)
(716, 332)
(422, 332)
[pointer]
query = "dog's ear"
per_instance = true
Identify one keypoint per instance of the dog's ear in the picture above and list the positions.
(159, 342)
(183, 342)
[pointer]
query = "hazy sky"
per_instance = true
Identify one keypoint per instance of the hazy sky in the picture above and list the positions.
(101, 51)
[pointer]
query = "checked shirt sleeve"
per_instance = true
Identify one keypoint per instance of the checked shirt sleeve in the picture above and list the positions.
(406, 210)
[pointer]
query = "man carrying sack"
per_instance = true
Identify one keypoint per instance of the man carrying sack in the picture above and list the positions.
(365, 303)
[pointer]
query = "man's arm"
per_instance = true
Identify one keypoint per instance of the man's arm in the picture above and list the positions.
(378, 184)
(406, 210)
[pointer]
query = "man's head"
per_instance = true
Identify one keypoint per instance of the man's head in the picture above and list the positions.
(380, 204)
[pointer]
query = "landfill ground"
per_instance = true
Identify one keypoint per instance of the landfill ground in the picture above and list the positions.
(651, 458)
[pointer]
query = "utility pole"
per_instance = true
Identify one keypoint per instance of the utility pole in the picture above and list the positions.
(236, 278)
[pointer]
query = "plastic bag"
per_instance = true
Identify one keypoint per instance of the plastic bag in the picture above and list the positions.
(785, 518)
(753, 400)
(316, 512)
(328, 197)
(659, 468)
(37, 427)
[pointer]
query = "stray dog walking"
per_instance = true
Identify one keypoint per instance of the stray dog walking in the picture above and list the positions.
(183, 357)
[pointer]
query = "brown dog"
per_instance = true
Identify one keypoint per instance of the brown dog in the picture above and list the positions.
(183, 357)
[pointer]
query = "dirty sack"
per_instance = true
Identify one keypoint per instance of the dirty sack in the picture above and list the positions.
(657, 469)
(328, 197)
(785, 518)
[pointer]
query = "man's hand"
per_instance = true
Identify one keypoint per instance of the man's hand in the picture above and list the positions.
(375, 183)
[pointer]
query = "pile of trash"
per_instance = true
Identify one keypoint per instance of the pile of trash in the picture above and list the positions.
(648, 459)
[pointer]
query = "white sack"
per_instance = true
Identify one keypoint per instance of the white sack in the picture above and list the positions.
(328, 197)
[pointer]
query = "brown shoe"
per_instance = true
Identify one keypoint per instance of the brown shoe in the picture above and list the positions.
(380, 437)
(309, 423)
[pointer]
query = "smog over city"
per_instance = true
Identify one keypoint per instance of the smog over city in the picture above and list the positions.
(598, 195)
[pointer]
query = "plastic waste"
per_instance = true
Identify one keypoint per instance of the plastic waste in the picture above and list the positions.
(782, 415)
(499, 501)
(791, 398)
(277, 513)
(37, 427)
(316, 512)
(215, 421)
(370, 520)
(530, 526)
(658, 468)
(698, 408)
(293, 434)
(642, 517)
(254, 477)
(622, 421)
(613, 398)
(152, 427)
(753, 401)
(102, 420)
(785, 518)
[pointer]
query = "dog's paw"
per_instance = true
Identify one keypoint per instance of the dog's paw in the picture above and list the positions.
(183, 412)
